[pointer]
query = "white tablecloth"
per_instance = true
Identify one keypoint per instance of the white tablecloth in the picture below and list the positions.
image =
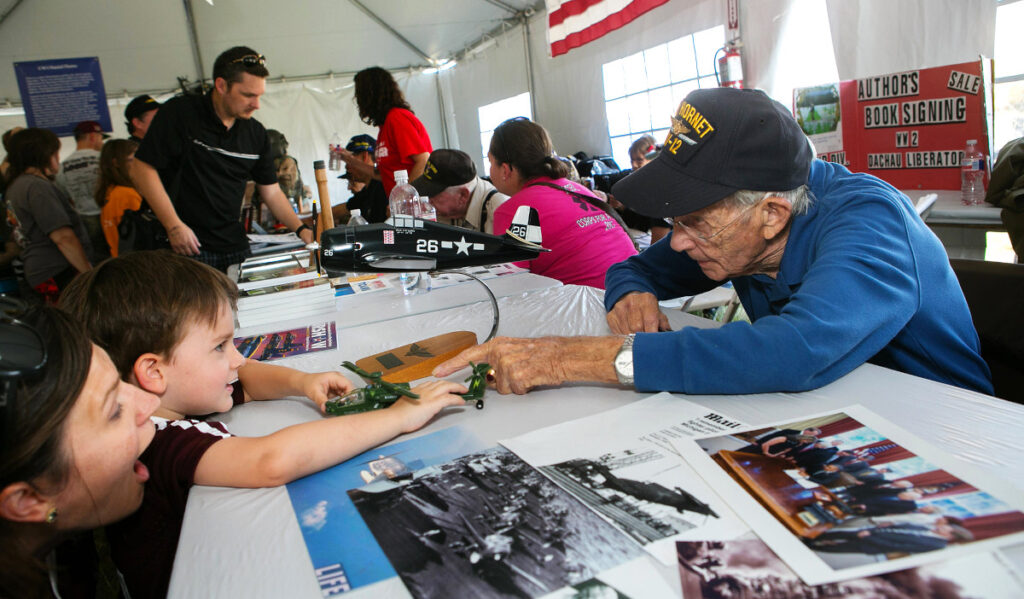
(247, 543)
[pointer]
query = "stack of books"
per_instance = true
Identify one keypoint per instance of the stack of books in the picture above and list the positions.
(279, 288)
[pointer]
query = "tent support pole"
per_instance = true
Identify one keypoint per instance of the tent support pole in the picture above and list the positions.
(190, 20)
(392, 31)
(528, 54)
(440, 105)
(8, 12)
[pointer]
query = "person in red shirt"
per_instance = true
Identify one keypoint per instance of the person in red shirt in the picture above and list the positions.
(402, 142)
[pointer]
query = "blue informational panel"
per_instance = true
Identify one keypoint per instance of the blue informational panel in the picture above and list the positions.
(59, 94)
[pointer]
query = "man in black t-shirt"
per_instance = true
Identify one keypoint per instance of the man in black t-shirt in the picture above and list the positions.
(197, 156)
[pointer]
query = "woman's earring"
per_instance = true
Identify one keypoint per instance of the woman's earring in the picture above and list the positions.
(51, 516)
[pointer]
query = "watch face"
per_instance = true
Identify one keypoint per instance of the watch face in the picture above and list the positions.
(624, 363)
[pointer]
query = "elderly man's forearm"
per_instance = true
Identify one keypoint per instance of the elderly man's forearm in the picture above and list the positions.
(590, 358)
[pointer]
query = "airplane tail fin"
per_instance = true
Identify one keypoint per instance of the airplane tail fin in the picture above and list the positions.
(525, 226)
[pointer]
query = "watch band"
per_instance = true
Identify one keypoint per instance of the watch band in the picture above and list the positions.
(302, 227)
(624, 361)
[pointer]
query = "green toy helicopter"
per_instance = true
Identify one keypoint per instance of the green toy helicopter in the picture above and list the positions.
(378, 393)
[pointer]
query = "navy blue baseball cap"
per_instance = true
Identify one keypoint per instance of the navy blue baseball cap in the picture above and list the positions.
(361, 143)
(722, 140)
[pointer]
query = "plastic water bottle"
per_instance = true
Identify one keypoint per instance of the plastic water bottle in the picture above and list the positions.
(972, 175)
(334, 152)
(403, 199)
(356, 218)
(425, 210)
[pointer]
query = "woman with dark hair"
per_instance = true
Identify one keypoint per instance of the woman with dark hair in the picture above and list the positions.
(115, 192)
(72, 435)
(55, 245)
(583, 237)
(402, 142)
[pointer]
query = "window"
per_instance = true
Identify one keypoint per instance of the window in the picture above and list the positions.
(1009, 74)
(642, 91)
(496, 113)
(1008, 92)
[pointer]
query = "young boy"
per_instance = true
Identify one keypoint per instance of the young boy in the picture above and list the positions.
(167, 321)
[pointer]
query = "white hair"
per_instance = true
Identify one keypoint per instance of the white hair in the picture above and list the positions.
(799, 199)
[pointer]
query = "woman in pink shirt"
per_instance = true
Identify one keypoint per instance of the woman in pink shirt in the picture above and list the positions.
(583, 238)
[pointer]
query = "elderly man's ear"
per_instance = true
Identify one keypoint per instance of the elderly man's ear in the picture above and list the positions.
(775, 213)
(463, 195)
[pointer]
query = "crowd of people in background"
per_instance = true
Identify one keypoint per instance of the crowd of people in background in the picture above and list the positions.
(197, 195)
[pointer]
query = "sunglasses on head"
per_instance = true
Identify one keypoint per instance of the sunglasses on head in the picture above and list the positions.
(251, 60)
(22, 355)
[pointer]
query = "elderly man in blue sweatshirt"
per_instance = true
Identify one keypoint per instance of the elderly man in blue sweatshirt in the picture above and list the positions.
(834, 269)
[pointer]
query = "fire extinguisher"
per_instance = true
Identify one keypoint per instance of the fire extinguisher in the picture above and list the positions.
(729, 66)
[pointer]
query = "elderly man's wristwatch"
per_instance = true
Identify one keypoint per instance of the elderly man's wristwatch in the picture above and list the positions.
(624, 361)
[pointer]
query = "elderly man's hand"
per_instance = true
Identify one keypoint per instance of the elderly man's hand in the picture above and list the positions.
(637, 312)
(522, 364)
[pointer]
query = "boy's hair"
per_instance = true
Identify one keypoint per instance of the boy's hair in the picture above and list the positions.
(144, 302)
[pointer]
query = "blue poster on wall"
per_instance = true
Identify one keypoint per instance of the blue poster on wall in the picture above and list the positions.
(59, 94)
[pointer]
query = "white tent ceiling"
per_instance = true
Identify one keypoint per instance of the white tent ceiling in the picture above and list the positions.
(145, 45)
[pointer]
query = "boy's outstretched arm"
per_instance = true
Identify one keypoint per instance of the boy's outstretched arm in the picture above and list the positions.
(267, 381)
(294, 452)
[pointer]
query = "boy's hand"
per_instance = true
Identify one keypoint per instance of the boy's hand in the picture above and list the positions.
(321, 386)
(434, 397)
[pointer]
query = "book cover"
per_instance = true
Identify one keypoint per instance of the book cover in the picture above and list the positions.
(274, 314)
(288, 293)
(303, 340)
(268, 277)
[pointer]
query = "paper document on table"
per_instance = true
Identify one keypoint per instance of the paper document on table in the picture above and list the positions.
(444, 279)
(357, 284)
(488, 525)
(622, 464)
(873, 498)
(746, 567)
(292, 342)
(636, 578)
(344, 553)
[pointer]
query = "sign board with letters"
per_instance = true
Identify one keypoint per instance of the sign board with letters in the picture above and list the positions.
(59, 94)
(907, 128)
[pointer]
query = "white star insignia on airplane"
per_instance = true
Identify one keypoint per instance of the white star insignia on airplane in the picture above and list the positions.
(463, 246)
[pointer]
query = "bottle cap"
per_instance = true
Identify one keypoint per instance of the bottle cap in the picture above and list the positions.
(403, 175)
(972, 141)
(318, 165)
(355, 212)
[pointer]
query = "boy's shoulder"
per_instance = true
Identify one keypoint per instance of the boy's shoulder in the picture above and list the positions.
(178, 446)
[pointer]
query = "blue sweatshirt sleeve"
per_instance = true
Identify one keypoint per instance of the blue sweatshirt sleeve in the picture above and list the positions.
(659, 270)
(855, 288)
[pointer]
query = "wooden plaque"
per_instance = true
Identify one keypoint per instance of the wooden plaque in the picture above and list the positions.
(417, 360)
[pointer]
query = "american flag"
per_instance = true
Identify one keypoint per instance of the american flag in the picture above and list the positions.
(573, 23)
(389, 237)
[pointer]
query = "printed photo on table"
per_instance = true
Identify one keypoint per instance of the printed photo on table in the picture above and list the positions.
(746, 567)
(488, 525)
(856, 498)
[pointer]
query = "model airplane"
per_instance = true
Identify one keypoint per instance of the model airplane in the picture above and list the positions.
(404, 244)
(378, 393)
